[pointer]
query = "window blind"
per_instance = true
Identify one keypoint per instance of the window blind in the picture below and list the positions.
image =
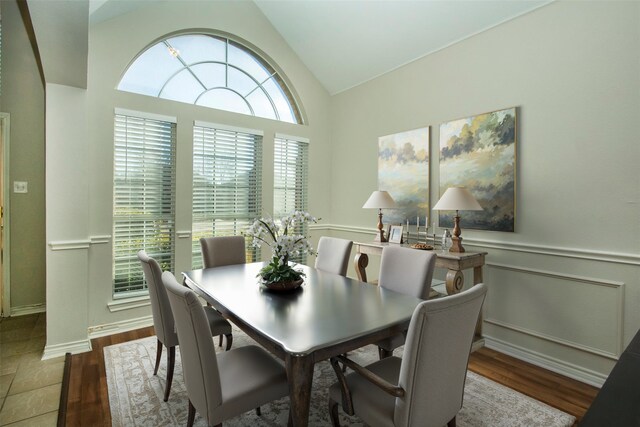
(144, 198)
(290, 172)
(227, 184)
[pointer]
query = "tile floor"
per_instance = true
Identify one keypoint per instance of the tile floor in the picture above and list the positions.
(29, 387)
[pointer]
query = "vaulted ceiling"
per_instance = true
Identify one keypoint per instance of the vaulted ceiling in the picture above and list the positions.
(343, 42)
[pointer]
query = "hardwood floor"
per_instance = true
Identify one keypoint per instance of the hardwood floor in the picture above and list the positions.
(88, 400)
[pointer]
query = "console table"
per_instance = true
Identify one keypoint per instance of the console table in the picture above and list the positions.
(453, 262)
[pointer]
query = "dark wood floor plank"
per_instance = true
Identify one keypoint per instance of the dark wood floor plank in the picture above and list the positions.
(88, 399)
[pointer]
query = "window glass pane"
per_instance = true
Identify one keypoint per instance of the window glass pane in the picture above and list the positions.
(224, 99)
(183, 88)
(243, 60)
(150, 71)
(143, 198)
(240, 82)
(282, 105)
(212, 62)
(227, 185)
(212, 75)
(197, 48)
(261, 105)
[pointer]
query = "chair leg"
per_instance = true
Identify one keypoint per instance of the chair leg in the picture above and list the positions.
(229, 341)
(452, 422)
(333, 412)
(384, 353)
(192, 415)
(158, 356)
(258, 411)
(220, 341)
(171, 355)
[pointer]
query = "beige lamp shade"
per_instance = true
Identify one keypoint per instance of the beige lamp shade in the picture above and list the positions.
(379, 200)
(457, 199)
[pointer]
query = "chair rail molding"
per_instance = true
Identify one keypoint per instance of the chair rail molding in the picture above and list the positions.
(100, 240)
(183, 234)
(69, 245)
(627, 258)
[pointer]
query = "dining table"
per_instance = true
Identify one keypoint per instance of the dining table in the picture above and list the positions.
(327, 316)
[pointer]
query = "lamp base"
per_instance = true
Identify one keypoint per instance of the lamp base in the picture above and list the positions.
(456, 245)
(380, 237)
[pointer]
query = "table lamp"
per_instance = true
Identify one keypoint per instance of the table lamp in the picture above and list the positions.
(380, 200)
(457, 199)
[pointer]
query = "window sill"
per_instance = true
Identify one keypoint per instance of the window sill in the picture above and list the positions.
(128, 303)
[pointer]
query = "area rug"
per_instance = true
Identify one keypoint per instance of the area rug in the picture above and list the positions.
(135, 395)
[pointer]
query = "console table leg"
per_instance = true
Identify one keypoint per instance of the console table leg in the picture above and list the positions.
(361, 261)
(454, 281)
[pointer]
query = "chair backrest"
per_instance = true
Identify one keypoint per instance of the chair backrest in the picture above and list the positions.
(199, 362)
(160, 308)
(223, 250)
(333, 255)
(408, 271)
(436, 354)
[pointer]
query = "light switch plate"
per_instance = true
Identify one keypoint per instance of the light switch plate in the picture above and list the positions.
(20, 187)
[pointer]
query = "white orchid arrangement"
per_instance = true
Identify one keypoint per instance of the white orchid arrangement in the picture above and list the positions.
(283, 243)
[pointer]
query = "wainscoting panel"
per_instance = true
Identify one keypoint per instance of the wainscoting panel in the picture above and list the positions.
(535, 302)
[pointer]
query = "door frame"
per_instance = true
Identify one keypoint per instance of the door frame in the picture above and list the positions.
(6, 264)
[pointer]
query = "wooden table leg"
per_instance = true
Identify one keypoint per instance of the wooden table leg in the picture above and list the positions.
(300, 377)
(361, 261)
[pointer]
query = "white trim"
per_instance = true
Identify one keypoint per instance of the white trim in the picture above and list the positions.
(183, 234)
(6, 235)
(614, 257)
(292, 138)
(619, 286)
(145, 115)
(98, 240)
(73, 347)
(67, 245)
(210, 125)
(23, 310)
(118, 327)
(556, 365)
(128, 303)
(626, 258)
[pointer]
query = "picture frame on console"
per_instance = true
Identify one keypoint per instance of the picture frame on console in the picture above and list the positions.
(395, 234)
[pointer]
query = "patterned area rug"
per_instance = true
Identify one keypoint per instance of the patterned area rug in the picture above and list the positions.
(135, 395)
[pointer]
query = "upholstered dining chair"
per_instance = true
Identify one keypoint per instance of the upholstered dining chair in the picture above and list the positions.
(408, 271)
(163, 318)
(426, 387)
(220, 386)
(222, 250)
(333, 255)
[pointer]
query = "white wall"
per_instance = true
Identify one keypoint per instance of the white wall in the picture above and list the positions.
(564, 288)
(112, 45)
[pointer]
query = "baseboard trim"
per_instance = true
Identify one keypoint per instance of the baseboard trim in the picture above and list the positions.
(23, 310)
(73, 347)
(118, 327)
(570, 370)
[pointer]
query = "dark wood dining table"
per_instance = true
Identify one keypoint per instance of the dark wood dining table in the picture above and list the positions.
(327, 316)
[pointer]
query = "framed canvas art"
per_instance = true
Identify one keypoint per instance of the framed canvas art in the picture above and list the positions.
(479, 153)
(403, 171)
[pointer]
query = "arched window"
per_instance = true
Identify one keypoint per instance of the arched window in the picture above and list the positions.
(211, 71)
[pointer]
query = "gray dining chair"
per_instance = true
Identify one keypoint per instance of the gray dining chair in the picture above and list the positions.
(163, 322)
(220, 386)
(333, 255)
(426, 387)
(408, 271)
(223, 250)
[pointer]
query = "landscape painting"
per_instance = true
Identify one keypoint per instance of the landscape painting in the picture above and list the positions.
(403, 171)
(479, 153)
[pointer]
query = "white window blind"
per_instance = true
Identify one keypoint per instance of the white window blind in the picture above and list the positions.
(144, 198)
(290, 171)
(227, 184)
